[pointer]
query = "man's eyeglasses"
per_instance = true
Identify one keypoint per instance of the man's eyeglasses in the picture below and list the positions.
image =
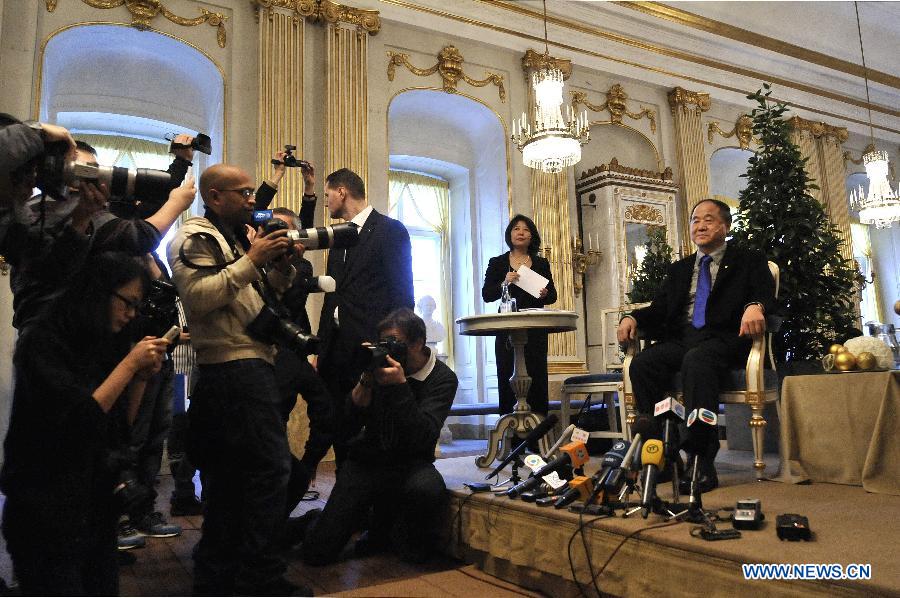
(246, 192)
(129, 303)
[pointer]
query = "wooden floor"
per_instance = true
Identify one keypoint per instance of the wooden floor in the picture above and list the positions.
(164, 566)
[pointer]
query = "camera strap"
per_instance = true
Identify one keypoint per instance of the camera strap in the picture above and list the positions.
(263, 287)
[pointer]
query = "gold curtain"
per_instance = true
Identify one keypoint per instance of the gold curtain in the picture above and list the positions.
(418, 188)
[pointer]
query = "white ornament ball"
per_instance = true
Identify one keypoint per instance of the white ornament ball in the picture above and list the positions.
(875, 346)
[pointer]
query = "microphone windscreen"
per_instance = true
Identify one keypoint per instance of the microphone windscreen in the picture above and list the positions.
(643, 425)
(578, 453)
(652, 453)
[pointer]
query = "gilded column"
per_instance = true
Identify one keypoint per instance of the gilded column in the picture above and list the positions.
(687, 109)
(820, 144)
(281, 32)
(550, 207)
(346, 88)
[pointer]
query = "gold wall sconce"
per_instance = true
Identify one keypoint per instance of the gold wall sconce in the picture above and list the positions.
(583, 258)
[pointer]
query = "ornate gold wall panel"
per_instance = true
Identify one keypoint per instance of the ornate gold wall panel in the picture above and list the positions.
(550, 206)
(616, 104)
(448, 66)
(820, 144)
(144, 11)
(688, 108)
(280, 99)
(742, 131)
(346, 103)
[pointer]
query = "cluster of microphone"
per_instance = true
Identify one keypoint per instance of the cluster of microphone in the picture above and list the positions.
(627, 466)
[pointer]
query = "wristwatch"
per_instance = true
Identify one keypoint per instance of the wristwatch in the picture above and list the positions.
(365, 380)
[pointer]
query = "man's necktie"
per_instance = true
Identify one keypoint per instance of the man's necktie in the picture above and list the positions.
(704, 284)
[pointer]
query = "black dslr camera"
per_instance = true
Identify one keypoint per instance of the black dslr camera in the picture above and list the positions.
(159, 312)
(290, 160)
(373, 357)
(272, 327)
(338, 236)
(56, 174)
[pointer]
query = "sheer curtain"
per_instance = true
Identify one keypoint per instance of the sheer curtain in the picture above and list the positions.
(117, 150)
(423, 202)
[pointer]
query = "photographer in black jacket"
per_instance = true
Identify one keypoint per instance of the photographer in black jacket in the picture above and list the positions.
(398, 408)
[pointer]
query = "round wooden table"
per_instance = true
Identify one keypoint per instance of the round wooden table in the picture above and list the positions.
(517, 324)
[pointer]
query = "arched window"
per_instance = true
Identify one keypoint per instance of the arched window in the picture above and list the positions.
(422, 203)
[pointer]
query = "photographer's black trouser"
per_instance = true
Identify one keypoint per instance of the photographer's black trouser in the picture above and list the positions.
(294, 375)
(238, 440)
(405, 500)
(58, 552)
(148, 435)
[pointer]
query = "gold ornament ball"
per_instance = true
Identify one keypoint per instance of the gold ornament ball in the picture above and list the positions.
(897, 307)
(836, 348)
(866, 361)
(845, 361)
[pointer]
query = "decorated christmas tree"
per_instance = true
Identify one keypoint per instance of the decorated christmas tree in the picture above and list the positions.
(652, 270)
(779, 216)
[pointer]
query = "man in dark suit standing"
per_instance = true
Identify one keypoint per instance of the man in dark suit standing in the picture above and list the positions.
(372, 279)
(704, 314)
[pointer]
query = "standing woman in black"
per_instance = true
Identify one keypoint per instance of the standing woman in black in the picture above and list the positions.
(78, 382)
(524, 241)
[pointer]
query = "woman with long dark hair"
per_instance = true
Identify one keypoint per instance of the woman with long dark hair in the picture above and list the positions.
(524, 242)
(78, 380)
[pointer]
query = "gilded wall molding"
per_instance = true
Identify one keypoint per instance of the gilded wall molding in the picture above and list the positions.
(323, 11)
(449, 67)
(533, 61)
(614, 166)
(679, 96)
(818, 129)
(144, 11)
(644, 213)
(743, 131)
(657, 69)
(615, 104)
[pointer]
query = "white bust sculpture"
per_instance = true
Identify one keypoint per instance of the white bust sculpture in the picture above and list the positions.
(434, 331)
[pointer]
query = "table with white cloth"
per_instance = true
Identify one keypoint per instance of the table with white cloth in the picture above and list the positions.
(842, 428)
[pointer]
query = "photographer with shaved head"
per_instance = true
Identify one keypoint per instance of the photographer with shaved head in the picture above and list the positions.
(237, 435)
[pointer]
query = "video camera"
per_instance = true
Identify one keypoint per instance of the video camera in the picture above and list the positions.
(200, 143)
(56, 174)
(373, 357)
(159, 310)
(338, 236)
(290, 160)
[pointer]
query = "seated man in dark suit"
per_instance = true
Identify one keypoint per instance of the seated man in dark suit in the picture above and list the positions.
(704, 314)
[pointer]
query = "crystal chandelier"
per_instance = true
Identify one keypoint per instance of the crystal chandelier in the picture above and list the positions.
(880, 206)
(550, 142)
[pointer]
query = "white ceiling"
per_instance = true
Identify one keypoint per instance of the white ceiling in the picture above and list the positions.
(617, 38)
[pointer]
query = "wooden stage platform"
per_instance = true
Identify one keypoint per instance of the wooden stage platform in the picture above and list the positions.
(528, 545)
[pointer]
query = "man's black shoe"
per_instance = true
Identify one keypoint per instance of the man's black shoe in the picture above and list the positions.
(707, 481)
(183, 507)
(369, 544)
(296, 527)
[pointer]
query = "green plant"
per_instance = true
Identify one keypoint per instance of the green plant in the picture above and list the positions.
(778, 216)
(653, 267)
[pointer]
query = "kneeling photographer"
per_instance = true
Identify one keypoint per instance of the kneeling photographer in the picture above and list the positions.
(398, 408)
